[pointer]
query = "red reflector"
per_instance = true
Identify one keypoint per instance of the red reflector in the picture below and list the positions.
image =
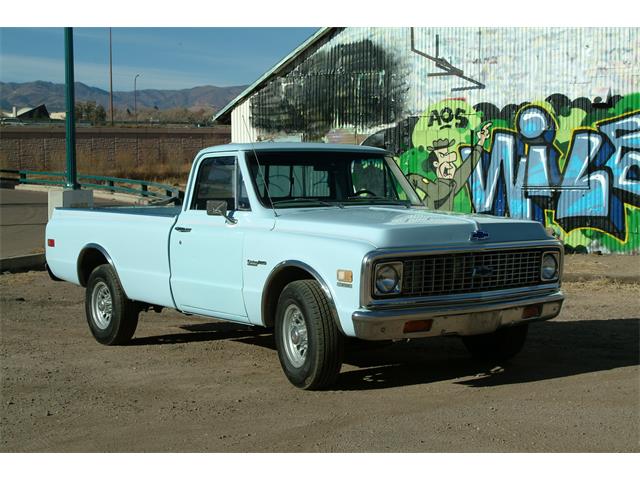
(532, 311)
(417, 326)
(51, 242)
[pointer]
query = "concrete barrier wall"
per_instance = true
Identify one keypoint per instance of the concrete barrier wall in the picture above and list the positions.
(118, 151)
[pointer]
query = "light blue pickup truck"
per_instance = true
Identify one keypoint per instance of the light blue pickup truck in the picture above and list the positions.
(319, 242)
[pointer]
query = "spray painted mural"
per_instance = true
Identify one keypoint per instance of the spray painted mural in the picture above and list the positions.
(573, 165)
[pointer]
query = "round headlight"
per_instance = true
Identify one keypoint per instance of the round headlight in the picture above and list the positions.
(549, 268)
(387, 279)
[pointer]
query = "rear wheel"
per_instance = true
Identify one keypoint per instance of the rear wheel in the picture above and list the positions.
(499, 345)
(111, 316)
(310, 347)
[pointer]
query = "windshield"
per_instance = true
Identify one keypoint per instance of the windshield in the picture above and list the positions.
(320, 178)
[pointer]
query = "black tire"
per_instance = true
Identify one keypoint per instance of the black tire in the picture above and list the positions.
(122, 323)
(321, 364)
(500, 345)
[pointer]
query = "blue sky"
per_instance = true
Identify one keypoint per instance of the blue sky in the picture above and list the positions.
(166, 58)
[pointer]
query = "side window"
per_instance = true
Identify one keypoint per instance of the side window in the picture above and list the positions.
(215, 181)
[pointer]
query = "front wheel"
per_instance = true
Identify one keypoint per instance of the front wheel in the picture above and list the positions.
(111, 316)
(499, 345)
(310, 347)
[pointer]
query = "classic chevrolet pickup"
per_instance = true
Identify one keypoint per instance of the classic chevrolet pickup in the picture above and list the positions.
(320, 242)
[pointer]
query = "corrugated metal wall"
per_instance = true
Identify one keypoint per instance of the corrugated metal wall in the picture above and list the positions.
(242, 129)
(561, 106)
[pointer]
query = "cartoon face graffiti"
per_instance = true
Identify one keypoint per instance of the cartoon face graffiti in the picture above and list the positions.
(451, 178)
(441, 159)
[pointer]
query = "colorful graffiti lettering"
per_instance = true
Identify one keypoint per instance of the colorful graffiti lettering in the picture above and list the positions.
(572, 165)
(521, 176)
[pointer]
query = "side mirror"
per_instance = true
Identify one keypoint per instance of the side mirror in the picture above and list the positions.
(219, 208)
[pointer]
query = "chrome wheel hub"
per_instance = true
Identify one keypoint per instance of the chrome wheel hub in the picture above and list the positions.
(294, 334)
(101, 305)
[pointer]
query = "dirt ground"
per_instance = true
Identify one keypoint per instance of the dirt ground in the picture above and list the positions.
(189, 384)
(623, 268)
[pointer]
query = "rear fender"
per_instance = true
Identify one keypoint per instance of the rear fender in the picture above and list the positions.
(89, 259)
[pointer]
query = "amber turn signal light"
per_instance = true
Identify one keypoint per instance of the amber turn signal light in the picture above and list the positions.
(417, 326)
(345, 276)
(531, 311)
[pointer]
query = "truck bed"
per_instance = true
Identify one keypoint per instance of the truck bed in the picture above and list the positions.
(136, 238)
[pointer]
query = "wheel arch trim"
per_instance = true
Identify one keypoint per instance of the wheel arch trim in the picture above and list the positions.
(311, 271)
(83, 253)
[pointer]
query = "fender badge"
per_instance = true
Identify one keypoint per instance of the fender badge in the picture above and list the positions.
(255, 263)
(479, 235)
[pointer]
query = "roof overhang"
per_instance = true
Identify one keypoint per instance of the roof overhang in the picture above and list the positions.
(224, 115)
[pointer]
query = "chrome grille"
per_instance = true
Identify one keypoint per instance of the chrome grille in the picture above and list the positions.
(468, 272)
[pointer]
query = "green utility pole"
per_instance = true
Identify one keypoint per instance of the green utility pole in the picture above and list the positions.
(70, 122)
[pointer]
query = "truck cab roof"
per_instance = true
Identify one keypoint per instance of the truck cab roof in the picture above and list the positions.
(290, 146)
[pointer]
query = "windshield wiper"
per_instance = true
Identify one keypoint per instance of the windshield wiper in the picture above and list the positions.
(310, 200)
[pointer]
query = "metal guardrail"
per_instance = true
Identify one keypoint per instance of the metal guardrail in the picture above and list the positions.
(114, 184)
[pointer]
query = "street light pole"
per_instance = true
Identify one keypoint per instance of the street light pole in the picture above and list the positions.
(135, 97)
(72, 196)
(70, 120)
(110, 79)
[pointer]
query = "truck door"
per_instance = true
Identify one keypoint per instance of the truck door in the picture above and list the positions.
(205, 251)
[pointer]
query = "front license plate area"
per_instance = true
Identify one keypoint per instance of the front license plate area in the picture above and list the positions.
(468, 324)
(484, 322)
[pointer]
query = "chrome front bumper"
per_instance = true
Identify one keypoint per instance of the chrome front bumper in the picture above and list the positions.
(464, 319)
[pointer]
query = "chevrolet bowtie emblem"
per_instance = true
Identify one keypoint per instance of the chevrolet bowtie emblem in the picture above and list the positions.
(479, 235)
(482, 271)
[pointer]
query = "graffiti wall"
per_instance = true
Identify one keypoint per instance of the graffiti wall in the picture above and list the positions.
(535, 123)
(573, 165)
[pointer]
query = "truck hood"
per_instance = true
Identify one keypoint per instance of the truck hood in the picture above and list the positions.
(390, 226)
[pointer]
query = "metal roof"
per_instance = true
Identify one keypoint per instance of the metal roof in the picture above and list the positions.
(281, 65)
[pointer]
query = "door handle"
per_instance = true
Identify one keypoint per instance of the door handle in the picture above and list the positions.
(182, 229)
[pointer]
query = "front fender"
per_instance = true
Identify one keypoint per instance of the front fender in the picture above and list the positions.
(288, 265)
(267, 253)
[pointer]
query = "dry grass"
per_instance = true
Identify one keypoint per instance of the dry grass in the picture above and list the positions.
(175, 175)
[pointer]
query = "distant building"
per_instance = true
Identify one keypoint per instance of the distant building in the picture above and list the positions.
(28, 113)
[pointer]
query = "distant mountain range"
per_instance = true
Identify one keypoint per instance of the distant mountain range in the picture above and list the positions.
(32, 94)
